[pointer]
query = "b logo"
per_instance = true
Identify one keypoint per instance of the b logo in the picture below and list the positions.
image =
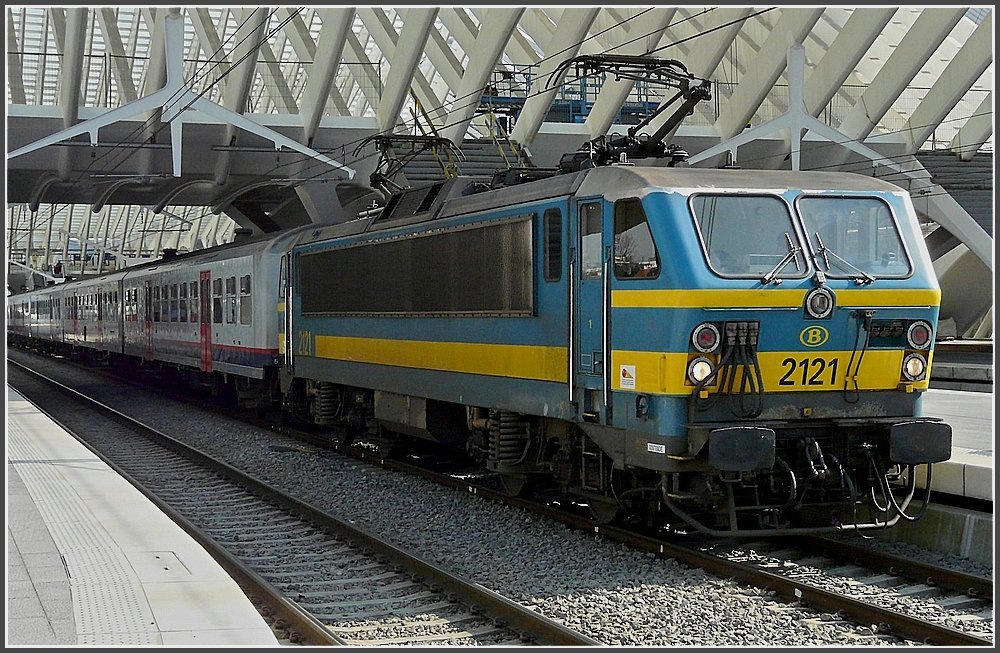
(814, 336)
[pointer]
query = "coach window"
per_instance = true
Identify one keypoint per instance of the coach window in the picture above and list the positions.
(100, 306)
(635, 252)
(194, 301)
(182, 302)
(552, 226)
(174, 316)
(231, 300)
(590, 240)
(156, 303)
(217, 301)
(246, 300)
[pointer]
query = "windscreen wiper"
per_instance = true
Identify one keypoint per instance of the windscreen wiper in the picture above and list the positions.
(792, 255)
(862, 276)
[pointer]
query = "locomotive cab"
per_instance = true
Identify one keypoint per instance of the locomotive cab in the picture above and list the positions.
(770, 335)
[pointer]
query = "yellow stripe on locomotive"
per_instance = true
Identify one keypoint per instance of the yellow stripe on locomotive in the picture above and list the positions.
(781, 371)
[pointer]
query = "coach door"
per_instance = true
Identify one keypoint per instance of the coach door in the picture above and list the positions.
(590, 311)
(147, 321)
(205, 321)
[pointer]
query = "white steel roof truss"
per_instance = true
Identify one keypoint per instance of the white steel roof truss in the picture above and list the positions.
(489, 48)
(328, 53)
(962, 71)
(769, 63)
(562, 42)
(410, 45)
(976, 131)
(121, 65)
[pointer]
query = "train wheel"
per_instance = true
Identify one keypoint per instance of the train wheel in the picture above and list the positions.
(342, 436)
(514, 484)
(602, 510)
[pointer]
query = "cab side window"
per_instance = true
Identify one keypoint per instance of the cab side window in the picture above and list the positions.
(635, 251)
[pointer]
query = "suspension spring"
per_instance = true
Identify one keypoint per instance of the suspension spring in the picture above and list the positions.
(326, 403)
(508, 442)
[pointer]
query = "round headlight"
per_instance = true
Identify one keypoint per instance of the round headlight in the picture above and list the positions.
(914, 367)
(919, 335)
(705, 337)
(699, 369)
(819, 303)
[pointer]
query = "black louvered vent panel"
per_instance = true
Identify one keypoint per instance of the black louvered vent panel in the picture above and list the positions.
(432, 193)
(485, 269)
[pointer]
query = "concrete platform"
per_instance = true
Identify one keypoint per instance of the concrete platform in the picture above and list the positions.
(91, 561)
(969, 471)
(967, 474)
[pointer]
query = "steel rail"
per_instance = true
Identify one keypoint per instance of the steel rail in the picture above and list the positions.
(951, 579)
(788, 589)
(543, 630)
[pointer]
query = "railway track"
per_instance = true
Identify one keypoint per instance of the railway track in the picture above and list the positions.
(880, 620)
(716, 560)
(325, 581)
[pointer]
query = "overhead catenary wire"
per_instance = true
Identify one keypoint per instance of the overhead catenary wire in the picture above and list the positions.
(454, 100)
(355, 161)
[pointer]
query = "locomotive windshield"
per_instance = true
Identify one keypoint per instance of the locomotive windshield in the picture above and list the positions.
(854, 236)
(748, 235)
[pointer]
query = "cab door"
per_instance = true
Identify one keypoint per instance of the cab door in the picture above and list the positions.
(590, 310)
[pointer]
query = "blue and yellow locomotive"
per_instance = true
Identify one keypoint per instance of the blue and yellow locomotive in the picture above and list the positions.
(736, 351)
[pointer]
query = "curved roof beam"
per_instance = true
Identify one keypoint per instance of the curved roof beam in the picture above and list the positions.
(370, 73)
(41, 185)
(929, 30)
(72, 64)
(328, 53)
(121, 65)
(209, 42)
(177, 190)
(852, 42)
(106, 194)
(563, 43)
(490, 43)
(417, 25)
(613, 94)
(246, 44)
(305, 49)
(959, 75)
(278, 92)
(223, 202)
(386, 38)
(441, 55)
(976, 130)
(15, 73)
(769, 63)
